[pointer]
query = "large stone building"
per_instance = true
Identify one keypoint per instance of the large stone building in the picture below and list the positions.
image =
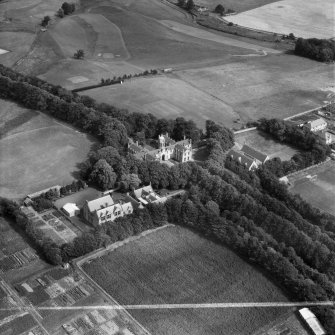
(180, 151)
(248, 157)
(104, 209)
(316, 125)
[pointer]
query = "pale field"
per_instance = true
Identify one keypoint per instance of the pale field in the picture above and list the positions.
(165, 97)
(303, 18)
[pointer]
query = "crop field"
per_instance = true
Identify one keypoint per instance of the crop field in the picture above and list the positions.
(175, 265)
(304, 18)
(320, 190)
(37, 152)
(164, 97)
(264, 143)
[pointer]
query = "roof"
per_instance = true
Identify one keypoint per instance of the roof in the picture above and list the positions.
(135, 147)
(100, 203)
(312, 321)
(147, 195)
(241, 158)
(317, 122)
(254, 153)
(70, 207)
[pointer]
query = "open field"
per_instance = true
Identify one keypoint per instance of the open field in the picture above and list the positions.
(264, 143)
(319, 192)
(164, 97)
(174, 265)
(38, 152)
(303, 18)
(273, 86)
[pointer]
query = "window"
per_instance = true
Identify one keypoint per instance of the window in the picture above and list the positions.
(109, 216)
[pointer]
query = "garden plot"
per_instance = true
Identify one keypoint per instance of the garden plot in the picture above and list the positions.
(303, 18)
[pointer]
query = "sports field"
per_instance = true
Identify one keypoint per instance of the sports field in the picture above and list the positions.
(37, 151)
(303, 18)
(320, 190)
(265, 144)
(175, 265)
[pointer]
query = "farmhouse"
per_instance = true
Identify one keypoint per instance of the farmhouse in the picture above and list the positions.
(316, 125)
(180, 151)
(104, 209)
(146, 195)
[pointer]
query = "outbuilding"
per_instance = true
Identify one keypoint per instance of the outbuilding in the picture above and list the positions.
(70, 209)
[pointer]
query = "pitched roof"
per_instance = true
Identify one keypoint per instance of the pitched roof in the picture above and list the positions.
(241, 158)
(69, 207)
(248, 151)
(100, 203)
(317, 122)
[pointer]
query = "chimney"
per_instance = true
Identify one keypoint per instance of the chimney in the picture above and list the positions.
(137, 143)
(239, 159)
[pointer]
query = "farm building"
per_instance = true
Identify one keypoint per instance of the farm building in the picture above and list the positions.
(312, 322)
(248, 157)
(241, 158)
(254, 154)
(327, 136)
(146, 195)
(104, 209)
(316, 125)
(180, 151)
(70, 210)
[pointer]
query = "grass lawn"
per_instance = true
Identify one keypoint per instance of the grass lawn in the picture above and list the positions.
(38, 153)
(321, 191)
(264, 143)
(175, 265)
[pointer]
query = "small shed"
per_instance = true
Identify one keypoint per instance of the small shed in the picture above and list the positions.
(70, 209)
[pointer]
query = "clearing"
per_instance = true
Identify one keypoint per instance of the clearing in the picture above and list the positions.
(175, 265)
(265, 144)
(303, 18)
(320, 190)
(37, 151)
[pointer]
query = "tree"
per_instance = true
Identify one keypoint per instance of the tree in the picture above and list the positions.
(79, 54)
(103, 175)
(190, 5)
(219, 9)
(182, 3)
(68, 8)
(60, 13)
(45, 21)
